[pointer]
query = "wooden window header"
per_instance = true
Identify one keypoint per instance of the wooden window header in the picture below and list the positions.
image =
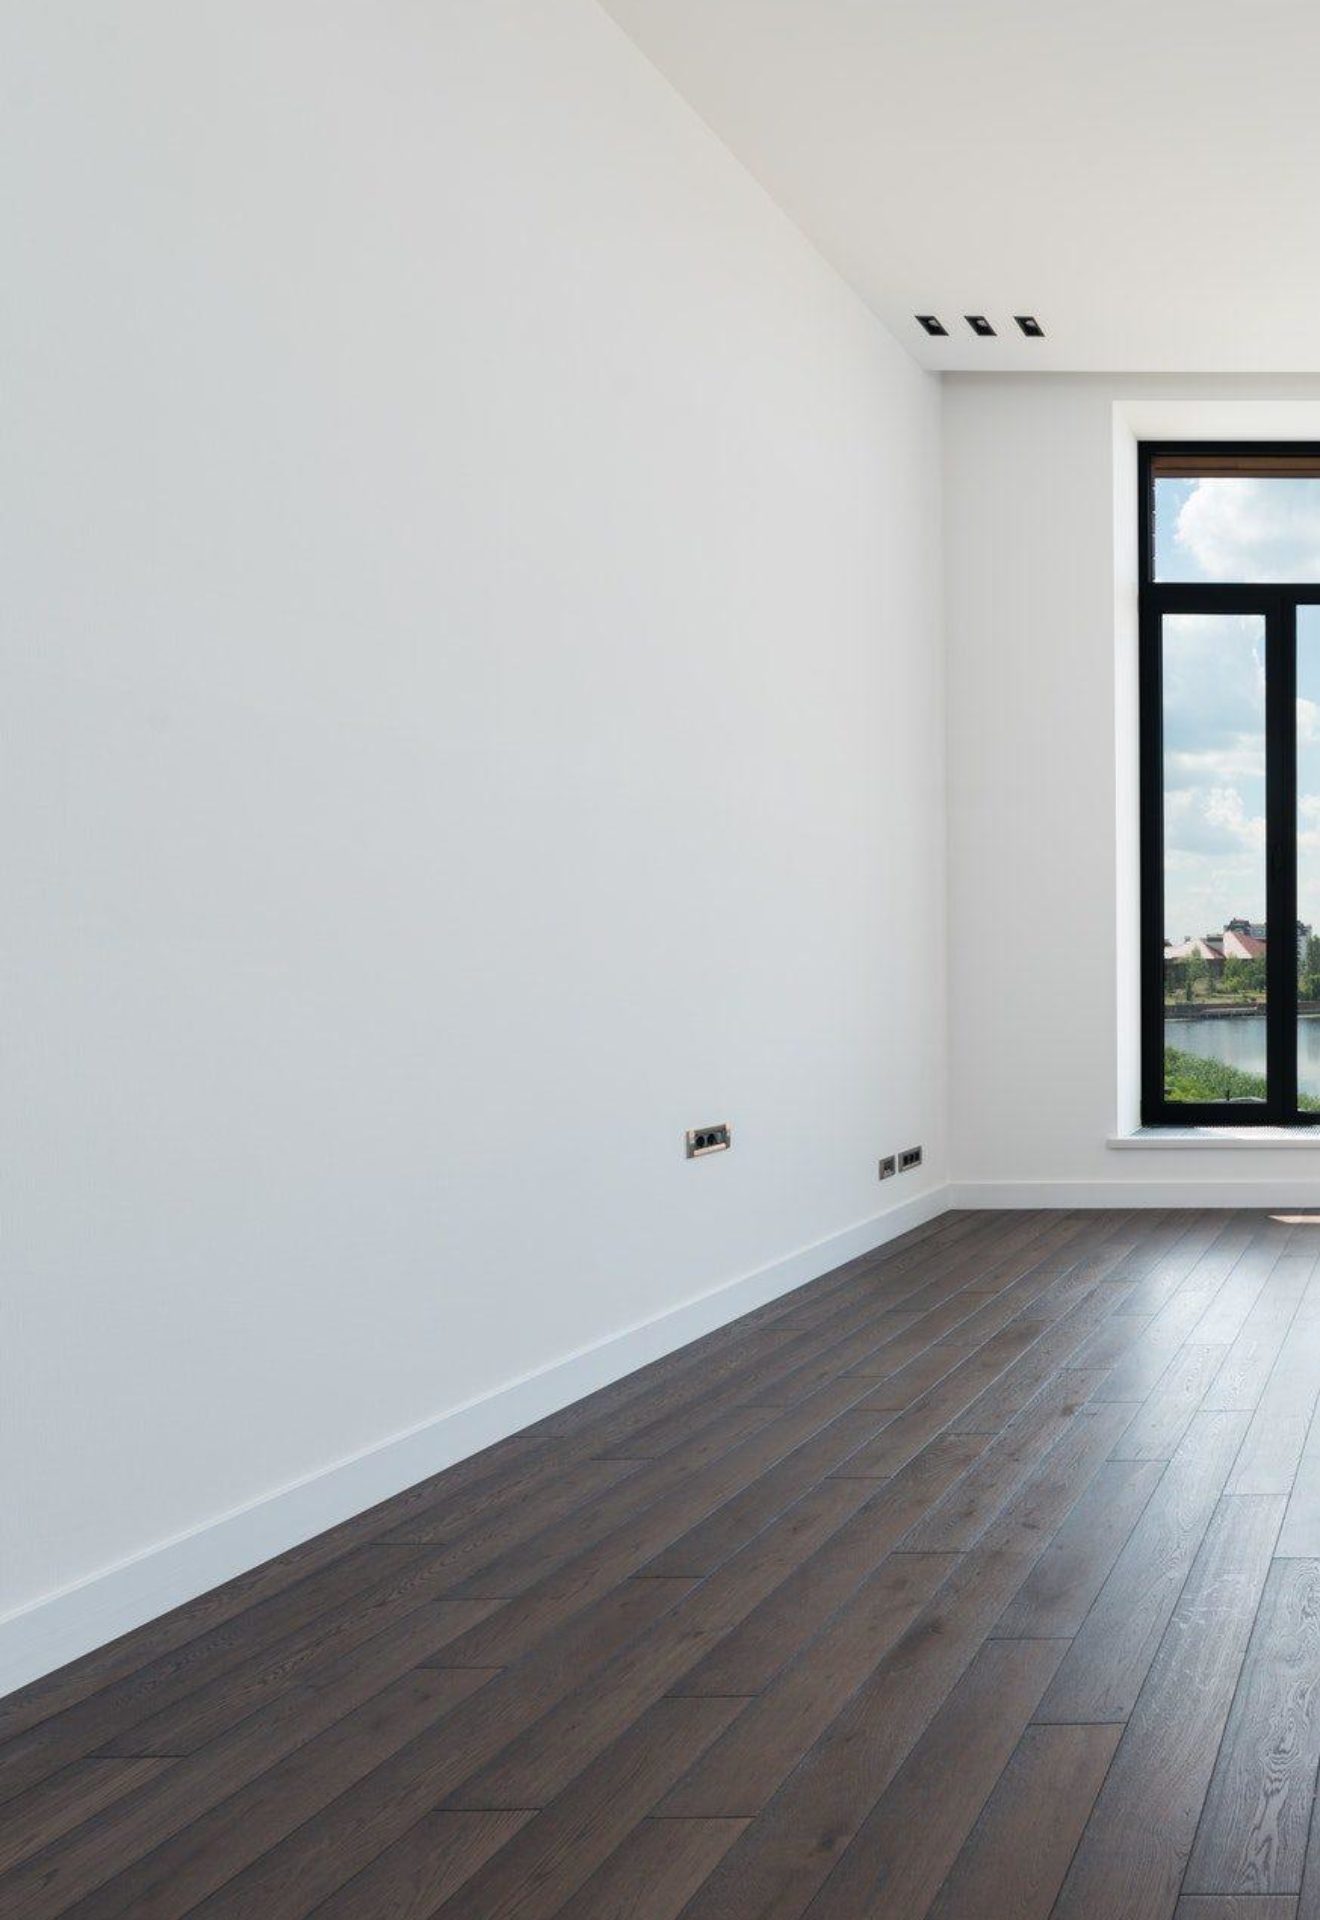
(1240, 466)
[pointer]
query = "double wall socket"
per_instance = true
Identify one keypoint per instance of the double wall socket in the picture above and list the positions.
(703, 1140)
(900, 1162)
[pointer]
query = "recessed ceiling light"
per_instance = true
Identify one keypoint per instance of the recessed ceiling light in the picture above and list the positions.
(931, 324)
(980, 325)
(1030, 325)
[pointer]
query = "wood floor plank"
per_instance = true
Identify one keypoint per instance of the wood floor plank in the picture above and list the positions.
(936, 1279)
(1065, 1258)
(1242, 1378)
(897, 1391)
(904, 1437)
(676, 1437)
(949, 1308)
(72, 1875)
(893, 1866)
(1015, 1269)
(1234, 1906)
(542, 1869)
(1277, 1435)
(796, 1520)
(577, 1483)
(448, 1513)
(106, 1716)
(1057, 1348)
(412, 1879)
(182, 1870)
(673, 1496)
(1169, 1273)
(404, 1608)
(1108, 1343)
(931, 1274)
(1107, 1663)
(924, 1329)
(963, 1249)
(1057, 1282)
(539, 1869)
(749, 1657)
(1253, 1831)
(1170, 1244)
(780, 1376)
(539, 1762)
(654, 1874)
(64, 1801)
(1308, 1902)
(1300, 1538)
(1015, 1858)
(1156, 1432)
(709, 1541)
(741, 1771)
(1135, 1847)
(874, 1346)
(1058, 1593)
(1235, 1302)
(958, 1520)
(1158, 1344)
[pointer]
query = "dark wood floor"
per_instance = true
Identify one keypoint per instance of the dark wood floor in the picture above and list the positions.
(980, 1578)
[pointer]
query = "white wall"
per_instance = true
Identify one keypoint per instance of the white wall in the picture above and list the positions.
(473, 708)
(1040, 578)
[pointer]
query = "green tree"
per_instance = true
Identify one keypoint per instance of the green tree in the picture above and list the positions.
(1244, 976)
(1308, 983)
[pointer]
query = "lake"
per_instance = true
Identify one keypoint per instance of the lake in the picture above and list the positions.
(1241, 1043)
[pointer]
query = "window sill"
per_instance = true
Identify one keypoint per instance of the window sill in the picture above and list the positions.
(1179, 1139)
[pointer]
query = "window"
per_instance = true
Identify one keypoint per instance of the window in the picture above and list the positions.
(1230, 773)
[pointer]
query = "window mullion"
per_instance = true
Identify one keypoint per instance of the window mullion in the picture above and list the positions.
(1281, 846)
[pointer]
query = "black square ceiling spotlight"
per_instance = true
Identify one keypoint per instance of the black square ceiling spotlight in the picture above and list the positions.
(980, 325)
(932, 324)
(1030, 325)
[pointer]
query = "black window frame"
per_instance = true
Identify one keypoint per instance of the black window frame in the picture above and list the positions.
(1278, 604)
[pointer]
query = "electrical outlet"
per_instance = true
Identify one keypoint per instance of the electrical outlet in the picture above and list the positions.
(704, 1140)
(888, 1166)
(909, 1158)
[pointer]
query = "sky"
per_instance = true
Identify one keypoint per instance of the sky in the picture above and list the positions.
(1214, 698)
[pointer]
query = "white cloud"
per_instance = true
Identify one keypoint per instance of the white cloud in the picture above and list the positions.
(1203, 820)
(1243, 759)
(1245, 529)
(1214, 859)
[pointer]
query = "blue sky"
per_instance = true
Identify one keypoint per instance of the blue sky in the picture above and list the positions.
(1214, 672)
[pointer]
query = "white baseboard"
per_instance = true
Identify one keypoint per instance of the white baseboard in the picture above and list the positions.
(63, 1625)
(1301, 1193)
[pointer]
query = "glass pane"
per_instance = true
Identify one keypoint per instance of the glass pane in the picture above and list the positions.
(1308, 857)
(1237, 527)
(1214, 857)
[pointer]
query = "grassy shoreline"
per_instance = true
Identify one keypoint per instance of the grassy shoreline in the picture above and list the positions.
(1189, 1078)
